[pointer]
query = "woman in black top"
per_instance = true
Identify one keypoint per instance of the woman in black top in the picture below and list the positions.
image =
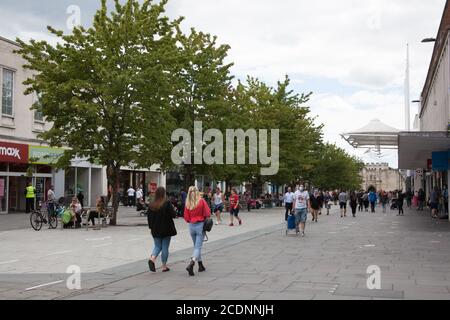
(160, 220)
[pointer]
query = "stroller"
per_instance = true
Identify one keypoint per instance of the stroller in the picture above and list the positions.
(394, 204)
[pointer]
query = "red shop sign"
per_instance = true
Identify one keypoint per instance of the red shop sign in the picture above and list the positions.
(12, 152)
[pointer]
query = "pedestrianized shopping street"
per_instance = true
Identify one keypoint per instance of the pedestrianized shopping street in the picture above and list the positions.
(255, 261)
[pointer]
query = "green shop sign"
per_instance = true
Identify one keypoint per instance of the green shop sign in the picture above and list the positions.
(45, 155)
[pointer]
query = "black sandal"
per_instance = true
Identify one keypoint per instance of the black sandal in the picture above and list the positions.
(151, 266)
(166, 270)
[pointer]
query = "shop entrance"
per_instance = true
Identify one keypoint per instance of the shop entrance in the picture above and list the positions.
(16, 200)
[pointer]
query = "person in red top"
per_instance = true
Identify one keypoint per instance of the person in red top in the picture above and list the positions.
(196, 212)
(234, 207)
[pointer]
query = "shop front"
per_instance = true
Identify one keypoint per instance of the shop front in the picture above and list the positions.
(16, 171)
(21, 164)
(148, 180)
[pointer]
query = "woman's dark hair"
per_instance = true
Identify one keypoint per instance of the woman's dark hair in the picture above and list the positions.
(160, 199)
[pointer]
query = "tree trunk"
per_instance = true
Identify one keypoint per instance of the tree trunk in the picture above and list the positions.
(113, 173)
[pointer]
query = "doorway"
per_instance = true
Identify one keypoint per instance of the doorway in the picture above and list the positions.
(16, 199)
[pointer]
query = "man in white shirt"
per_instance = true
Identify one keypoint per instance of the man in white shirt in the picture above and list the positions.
(51, 198)
(288, 202)
(131, 193)
(302, 206)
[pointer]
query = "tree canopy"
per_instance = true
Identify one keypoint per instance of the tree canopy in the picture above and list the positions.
(115, 92)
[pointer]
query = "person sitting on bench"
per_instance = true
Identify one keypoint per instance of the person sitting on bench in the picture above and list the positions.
(101, 210)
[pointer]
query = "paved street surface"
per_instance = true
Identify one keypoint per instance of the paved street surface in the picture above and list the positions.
(255, 261)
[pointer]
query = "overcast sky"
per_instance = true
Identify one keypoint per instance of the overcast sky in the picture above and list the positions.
(350, 53)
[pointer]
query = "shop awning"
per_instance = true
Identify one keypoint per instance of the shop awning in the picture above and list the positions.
(416, 148)
(376, 134)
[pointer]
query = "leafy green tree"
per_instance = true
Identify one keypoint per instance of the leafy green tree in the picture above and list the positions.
(107, 89)
(336, 169)
(203, 91)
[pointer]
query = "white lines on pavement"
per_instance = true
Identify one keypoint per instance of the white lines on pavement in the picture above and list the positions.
(370, 246)
(98, 239)
(136, 239)
(10, 261)
(44, 285)
(102, 245)
(57, 253)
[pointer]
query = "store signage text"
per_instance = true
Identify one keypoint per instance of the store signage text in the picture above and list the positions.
(11, 152)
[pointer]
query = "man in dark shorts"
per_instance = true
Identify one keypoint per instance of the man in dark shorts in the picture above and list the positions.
(343, 203)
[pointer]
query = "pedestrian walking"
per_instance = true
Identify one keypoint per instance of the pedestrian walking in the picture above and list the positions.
(195, 213)
(421, 199)
(160, 221)
(218, 205)
(372, 200)
(51, 199)
(234, 208)
(131, 194)
(360, 201)
(288, 202)
(366, 201)
(434, 202)
(400, 200)
(353, 202)
(327, 199)
(248, 201)
(314, 204)
(384, 199)
(343, 203)
(301, 205)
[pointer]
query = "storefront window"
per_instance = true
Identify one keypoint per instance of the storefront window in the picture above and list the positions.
(3, 167)
(18, 167)
(44, 169)
(3, 194)
(69, 185)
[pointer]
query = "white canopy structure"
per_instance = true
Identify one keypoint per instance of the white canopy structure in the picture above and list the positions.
(376, 135)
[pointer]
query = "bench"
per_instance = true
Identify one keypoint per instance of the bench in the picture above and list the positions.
(102, 220)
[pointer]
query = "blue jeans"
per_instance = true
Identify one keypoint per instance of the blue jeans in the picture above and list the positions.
(162, 244)
(196, 231)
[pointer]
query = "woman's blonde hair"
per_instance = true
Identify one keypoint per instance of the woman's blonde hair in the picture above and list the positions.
(193, 198)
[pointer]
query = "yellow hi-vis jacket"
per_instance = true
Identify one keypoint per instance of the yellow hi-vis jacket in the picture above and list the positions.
(30, 192)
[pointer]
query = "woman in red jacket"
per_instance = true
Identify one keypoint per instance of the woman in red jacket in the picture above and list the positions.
(195, 213)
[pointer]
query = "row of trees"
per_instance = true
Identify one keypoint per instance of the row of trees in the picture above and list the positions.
(116, 91)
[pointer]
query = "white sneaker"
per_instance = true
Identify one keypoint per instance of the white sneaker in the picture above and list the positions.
(303, 234)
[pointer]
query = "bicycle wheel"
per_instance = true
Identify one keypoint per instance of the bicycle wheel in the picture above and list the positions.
(36, 220)
(53, 221)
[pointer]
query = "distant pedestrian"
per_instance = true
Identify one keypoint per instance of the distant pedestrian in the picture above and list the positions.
(360, 201)
(434, 202)
(160, 220)
(234, 208)
(372, 200)
(421, 197)
(366, 201)
(384, 199)
(131, 194)
(301, 205)
(314, 204)
(343, 203)
(195, 213)
(288, 202)
(218, 205)
(51, 199)
(400, 201)
(353, 203)
(327, 200)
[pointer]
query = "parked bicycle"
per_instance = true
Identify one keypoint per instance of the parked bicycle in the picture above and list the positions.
(41, 216)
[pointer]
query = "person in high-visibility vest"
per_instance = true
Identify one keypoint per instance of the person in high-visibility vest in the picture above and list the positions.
(30, 194)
